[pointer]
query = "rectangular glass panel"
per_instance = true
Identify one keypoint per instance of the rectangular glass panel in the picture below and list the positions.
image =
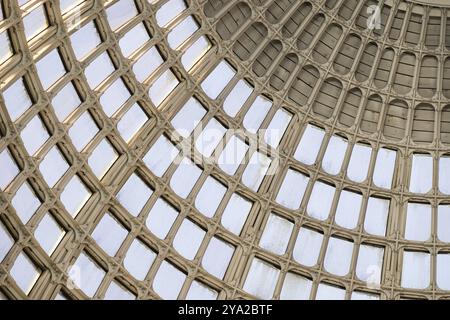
(334, 156)
(139, 259)
(309, 145)
(134, 194)
(295, 287)
(261, 279)
(359, 163)
(217, 80)
(185, 177)
(237, 97)
(416, 270)
(347, 212)
(292, 189)
(307, 247)
(276, 235)
(319, 204)
(188, 239)
(418, 222)
(338, 256)
(168, 281)
(384, 168)
(376, 216)
(217, 257)
(421, 173)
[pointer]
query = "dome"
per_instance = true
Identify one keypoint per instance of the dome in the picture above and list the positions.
(225, 149)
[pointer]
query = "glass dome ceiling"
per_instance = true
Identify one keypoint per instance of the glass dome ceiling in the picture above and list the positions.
(225, 149)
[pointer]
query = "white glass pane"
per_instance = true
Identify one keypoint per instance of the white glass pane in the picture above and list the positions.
(49, 233)
(309, 145)
(86, 275)
(256, 170)
(376, 216)
(416, 270)
(334, 156)
(328, 292)
(261, 279)
(132, 121)
(120, 12)
(139, 259)
(443, 228)
(66, 5)
(162, 87)
(210, 137)
(109, 234)
(210, 196)
(34, 135)
(356, 295)
(292, 189)
(444, 174)
(307, 247)
(188, 239)
(235, 213)
(188, 117)
(195, 52)
(134, 39)
(53, 166)
(74, 196)
(6, 242)
(147, 64)
(442, 274)
(276, 235)
(9, 169)
(338, 256)
(359, 163)
(85, 40)
(25, 202)
(97, 71)
(24, 272)
(347, 212)
(277, 127)
(116, 292)
(102, 158)
(295, 287)
(160, 156)
(320, 202)
(237, 97)
(17, 100)
(35, 22)
(114, 97)
(418, 222)
(185, 177)
(5, 47)
(50, 69)
(256, 114)
(161, 218)
(421, 173)
(217, 257)
(217, 80)
(232, 155)
(384, 168)
(65, 102)
(168, 281)
(83, 131)
(169, 11)
(199, 291)
(369, 265)
(134, 195)
(182, 32)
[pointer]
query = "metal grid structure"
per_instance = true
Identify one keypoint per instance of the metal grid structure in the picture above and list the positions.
(117, 117)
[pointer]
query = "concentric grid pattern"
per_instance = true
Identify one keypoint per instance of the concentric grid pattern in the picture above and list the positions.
(92, 179)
